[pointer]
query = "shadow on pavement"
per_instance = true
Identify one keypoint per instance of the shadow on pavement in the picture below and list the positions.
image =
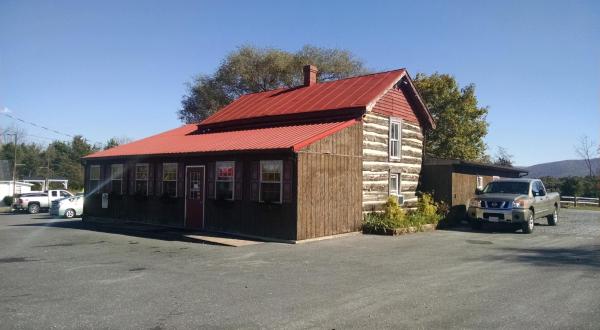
(584, 256)
(129, 229)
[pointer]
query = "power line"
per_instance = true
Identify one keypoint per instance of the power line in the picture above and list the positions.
(36, 125)
(44, 128)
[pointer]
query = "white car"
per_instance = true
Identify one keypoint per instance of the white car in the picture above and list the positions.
(68, 207)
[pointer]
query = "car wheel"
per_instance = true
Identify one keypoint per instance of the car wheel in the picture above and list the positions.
(553, 218)
(529, 225)
(33, 208)
(69, 213)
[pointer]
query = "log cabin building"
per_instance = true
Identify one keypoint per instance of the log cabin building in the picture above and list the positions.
(287, 164)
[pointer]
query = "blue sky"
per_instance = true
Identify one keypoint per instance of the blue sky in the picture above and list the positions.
(119, 68)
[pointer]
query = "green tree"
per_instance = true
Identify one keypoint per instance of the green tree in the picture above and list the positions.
(461, 122)
(251, 69)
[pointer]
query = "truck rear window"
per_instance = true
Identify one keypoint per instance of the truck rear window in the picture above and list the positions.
(507, 187)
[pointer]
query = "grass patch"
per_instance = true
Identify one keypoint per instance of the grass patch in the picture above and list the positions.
(395, 217)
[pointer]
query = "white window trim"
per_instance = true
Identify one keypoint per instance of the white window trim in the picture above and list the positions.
(395, 121)
(232, 178)
(112, 178)
(390, 190)
(147, 166)
(163, 178)
(260, 180)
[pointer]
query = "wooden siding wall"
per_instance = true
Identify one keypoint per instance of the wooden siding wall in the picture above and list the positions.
(329, 185)
(241, 216)
(377, 165)
(395, 104)
(464, 185)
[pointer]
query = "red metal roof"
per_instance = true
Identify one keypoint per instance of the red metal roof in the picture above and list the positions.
(182, 140)
(357, 92)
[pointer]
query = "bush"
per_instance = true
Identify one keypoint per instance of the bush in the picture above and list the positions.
(394, 217)
(8, 200)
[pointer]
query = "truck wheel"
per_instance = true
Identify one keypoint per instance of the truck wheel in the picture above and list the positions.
(553, 218)
(69, 213)
(33, 208)
(529, 224)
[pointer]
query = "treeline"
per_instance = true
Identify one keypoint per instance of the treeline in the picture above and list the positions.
(57, 160)
(573, 185)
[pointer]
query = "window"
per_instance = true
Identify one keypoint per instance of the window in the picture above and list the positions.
(141, 179)
(94, 178)
(54, 193)
(224, 180)
(394, 184)
(116, 178)
(395, 128)
(169, 179)
(65, 194)
(270, 181)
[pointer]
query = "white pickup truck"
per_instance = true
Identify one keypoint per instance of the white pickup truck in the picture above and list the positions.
(34, 202)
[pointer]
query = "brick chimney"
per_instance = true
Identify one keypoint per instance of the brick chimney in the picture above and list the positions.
(310, 75)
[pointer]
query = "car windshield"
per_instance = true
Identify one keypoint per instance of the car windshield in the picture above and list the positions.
(507, 187)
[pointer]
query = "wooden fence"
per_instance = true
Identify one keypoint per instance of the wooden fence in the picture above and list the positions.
(574, 201)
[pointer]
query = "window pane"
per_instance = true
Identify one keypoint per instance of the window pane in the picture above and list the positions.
(394, 148)
(169, 172)
(94, 172)
(271, 171)
(116, 186)
(225, 171)
(170, 188)
(224, 190)
(270, 192)
(394, 184)
(116, 171)
(141, 172)
(141, 187)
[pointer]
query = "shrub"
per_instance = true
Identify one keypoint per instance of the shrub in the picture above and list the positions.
(8, 200)
(393, 216)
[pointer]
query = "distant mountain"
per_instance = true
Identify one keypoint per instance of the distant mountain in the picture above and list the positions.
(572, 167)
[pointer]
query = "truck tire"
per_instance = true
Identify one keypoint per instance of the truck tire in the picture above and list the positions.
(70, 213)
(553, 218)
(33, 208)
(529, 224)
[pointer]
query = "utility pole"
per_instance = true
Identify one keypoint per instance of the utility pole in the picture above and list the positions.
(15, 167)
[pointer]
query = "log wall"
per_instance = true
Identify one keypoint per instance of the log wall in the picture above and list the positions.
(377, 164)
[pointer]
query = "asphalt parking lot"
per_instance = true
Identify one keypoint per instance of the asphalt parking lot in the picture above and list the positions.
(65, 274)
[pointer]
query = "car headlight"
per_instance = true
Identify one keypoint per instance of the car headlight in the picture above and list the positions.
(474, 202)
(519, 203)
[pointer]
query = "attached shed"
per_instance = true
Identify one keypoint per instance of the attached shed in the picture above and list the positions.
(454, 181)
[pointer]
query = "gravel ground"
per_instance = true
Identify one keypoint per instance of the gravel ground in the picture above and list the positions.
(66, 274)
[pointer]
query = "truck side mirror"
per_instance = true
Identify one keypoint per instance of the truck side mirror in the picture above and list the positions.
(478, 191)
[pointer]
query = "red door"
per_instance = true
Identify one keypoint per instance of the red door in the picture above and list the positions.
(194, 197)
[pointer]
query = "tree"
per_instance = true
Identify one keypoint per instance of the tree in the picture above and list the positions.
(251, 69)
(461, 123)
(503, 158)
(116, 141)
(585, 149)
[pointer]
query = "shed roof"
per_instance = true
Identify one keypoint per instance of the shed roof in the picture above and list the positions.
(457, 163)
(184, 140)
